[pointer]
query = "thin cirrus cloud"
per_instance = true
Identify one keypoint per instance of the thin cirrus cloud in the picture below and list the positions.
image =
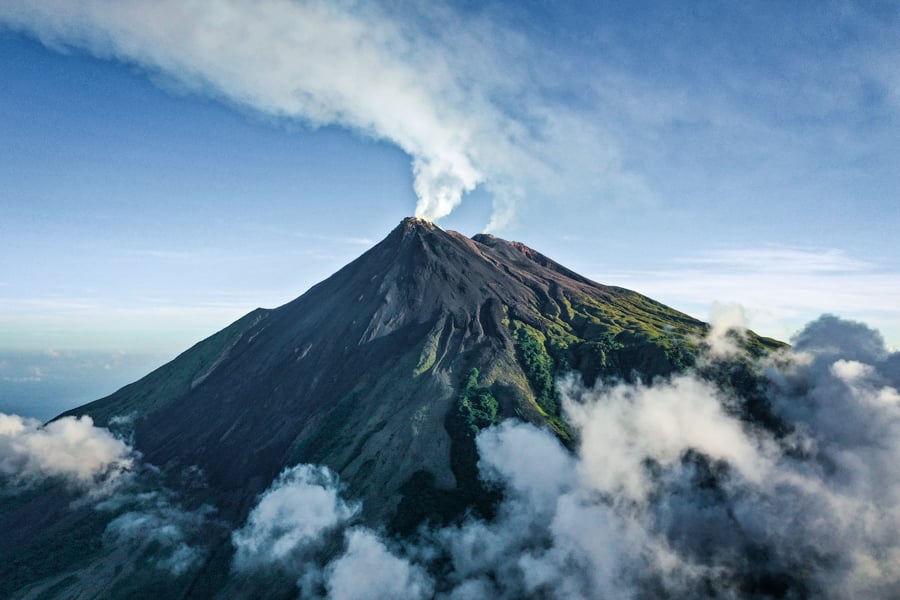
(782, 260)
(778, 287)
(445, 88)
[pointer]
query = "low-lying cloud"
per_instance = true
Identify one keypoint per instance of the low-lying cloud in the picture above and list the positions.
(155, 518)
(302, 526)
(675, 488)
(105, 474)
(673, 491)
(369, 570)
(686, 496)
(69, 448)
(292, 517)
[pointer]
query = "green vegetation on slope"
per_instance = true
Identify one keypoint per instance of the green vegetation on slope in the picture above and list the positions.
(477, 404)
(619, 334)
(428, 355)
(538, 367)
(614, 335)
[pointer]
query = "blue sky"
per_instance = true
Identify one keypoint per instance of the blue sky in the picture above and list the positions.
(166, 167)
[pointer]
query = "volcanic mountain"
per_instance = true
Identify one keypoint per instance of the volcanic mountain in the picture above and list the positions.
(385, 372)
(367, 371)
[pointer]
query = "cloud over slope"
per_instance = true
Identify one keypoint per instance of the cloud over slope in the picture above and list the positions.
(673, 490)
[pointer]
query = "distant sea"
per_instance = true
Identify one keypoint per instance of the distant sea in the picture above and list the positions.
(41, 385)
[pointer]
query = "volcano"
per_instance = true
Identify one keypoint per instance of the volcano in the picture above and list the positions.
(365, 372)
(384, 372)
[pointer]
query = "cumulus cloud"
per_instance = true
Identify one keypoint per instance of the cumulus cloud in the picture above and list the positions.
(672, 492)
(291, 518)
(728, 326)
(549, 539)
(301, 525)
(70, 448)
(831, 337)
(451, 90)
(623, 426)
(368, 570)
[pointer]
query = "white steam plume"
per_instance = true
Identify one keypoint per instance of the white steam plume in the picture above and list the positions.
(70, 448)
(453, 92)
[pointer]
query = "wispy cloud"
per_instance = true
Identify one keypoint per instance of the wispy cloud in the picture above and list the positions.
(163, 325)
(335, 239)
(779, 287)
(156, 521)
(172, 254)
(781, 260)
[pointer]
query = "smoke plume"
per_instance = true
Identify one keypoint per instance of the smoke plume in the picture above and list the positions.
(451, 90)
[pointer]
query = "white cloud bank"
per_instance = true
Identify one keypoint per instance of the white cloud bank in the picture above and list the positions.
(439, 86)
(672, 492)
